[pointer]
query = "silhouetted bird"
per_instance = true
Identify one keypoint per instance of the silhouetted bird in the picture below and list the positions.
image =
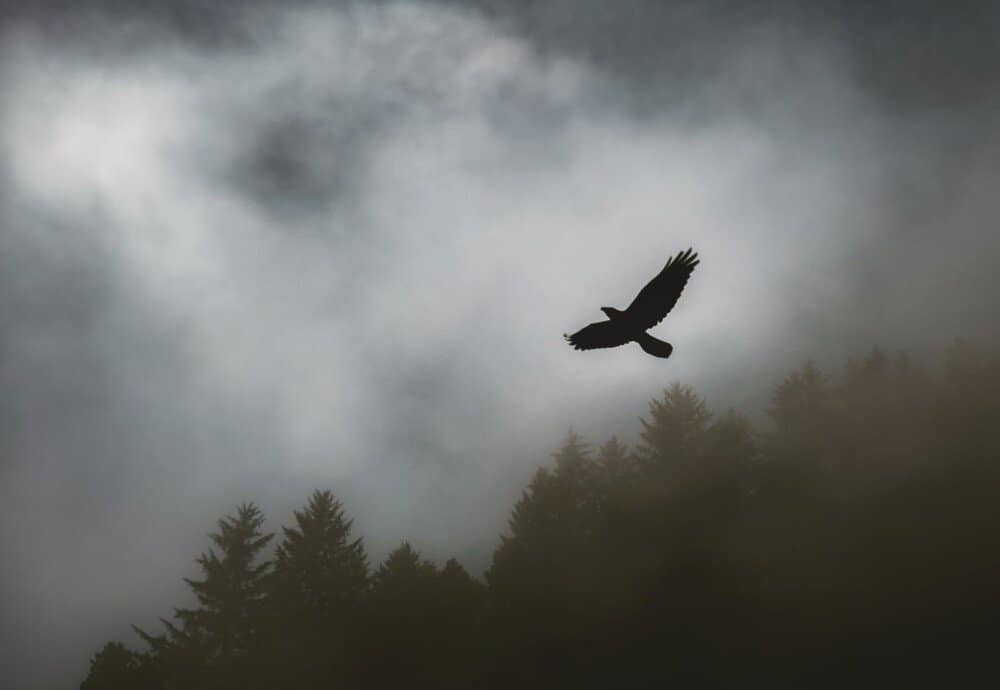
(648, 308)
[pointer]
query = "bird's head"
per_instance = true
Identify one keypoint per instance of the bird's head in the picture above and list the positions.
(611, 312)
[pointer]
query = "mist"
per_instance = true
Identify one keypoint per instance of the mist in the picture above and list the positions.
(338, 246)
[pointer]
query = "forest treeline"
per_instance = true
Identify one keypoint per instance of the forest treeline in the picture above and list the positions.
(855, 542)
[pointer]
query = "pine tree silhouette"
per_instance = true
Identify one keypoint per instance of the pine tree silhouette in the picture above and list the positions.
(213, 641)
(315, 596)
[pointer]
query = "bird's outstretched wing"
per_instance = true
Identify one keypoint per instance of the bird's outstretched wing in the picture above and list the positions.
(661, 293)
(598, 334)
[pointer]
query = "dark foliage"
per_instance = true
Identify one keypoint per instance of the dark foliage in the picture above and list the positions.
(855, 543)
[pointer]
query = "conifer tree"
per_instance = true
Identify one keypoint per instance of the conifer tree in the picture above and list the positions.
(613, 492)
(318, 568)
(315, 593)
(731, 441)
(211, 640)
(233, 583)
(546, 559)
(459, 624)
(403, 574)
(402, 634)
(674, 434)
(614, 460)
(459, 587)
(113, 668)
(799, 402)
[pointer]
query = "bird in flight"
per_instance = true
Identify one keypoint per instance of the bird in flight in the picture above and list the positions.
(648, 308)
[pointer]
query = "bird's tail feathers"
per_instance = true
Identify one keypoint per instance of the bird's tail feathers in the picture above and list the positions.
(654, 346)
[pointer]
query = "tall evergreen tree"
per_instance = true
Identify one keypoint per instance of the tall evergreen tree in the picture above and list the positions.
(549, 527)
(731, 442)
(212, 640)
(573, 462)
(459, 624)
(402, 575)
(113, 668)
(318, 568)
(674, 434)
(614, 486)
(233, 584)
(315, 593)
(614, 460)
(402, 635)
(800, 402)
(545, 577)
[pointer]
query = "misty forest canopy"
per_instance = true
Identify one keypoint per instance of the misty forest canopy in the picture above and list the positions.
(855, 539)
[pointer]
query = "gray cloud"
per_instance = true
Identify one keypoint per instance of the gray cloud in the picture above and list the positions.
(337, 247)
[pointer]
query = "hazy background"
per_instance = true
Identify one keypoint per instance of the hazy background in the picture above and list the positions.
(252, 251)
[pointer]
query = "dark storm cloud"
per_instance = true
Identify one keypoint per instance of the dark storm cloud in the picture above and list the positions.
(248, 251)
(908, 55)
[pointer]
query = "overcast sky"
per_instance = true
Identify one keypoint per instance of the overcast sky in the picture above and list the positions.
(252, 251)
